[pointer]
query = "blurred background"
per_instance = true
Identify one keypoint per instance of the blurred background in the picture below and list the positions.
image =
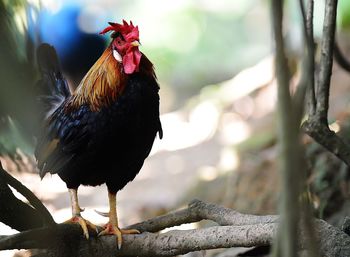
(215, 68)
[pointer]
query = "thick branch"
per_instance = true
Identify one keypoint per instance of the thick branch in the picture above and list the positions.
(149, 244)
(27, 218)
(197, 211)
(68, 239)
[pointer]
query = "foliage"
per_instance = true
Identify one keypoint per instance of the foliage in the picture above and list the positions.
(344, 14)
(17, 100)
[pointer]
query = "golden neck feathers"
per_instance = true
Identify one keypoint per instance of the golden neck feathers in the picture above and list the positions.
(101, 85)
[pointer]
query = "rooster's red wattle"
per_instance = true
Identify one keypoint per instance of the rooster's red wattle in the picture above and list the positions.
(104, 130)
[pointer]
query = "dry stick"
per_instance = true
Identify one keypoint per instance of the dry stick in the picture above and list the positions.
(148, 244)
(309, 36)
(33, 200)
(333, 242)
(326, 62)
(317, 124)
(305, 83)
(197, 211)
(311, 54)
(247, 230)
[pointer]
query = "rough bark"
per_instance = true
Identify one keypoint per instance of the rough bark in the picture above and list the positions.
(197, 211)
(322, 134)
(236, 229)
(316, 126)
(326, 62)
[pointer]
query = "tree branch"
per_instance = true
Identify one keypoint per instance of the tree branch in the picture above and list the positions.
(33, 200)
(326, 62)
(148, 244)
(197, 211)
(307, 81)
(316, 126)
(26, 218)
(311, 54)
(322, 134)
(257, 230)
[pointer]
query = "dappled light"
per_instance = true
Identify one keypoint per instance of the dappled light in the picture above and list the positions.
(218, 95)
(200, 135)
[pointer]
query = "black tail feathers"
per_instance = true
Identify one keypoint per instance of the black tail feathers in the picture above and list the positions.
(52, 84)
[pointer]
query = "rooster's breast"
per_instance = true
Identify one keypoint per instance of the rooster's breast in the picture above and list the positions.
(119, 138)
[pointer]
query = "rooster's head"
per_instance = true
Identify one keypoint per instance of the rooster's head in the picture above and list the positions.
(125, 45)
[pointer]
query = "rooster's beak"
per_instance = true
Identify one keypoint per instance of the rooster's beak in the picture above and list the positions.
(136, 43)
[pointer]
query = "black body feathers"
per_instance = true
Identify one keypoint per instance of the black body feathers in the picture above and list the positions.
(94, 147)
(52, 83)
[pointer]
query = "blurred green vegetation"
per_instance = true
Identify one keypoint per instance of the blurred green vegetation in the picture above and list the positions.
(201, 44)
(192, 44)
(344, 14)
(17, 73)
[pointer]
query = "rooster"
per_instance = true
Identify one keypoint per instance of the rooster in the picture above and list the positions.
(103, 131)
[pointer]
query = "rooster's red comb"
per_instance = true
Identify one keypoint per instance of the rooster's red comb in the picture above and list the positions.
(129, 31)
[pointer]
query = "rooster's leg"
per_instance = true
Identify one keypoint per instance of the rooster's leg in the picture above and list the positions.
(112, 228)
(76, 217)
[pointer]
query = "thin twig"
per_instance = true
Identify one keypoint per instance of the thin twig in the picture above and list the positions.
(311, 55)
(326, 62)
(306, 81)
